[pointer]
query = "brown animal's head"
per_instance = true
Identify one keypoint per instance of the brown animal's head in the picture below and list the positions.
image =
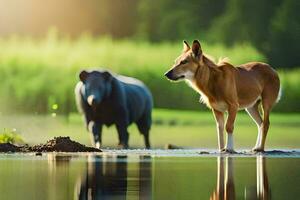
(187, 63)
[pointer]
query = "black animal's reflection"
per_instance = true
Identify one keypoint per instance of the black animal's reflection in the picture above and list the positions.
(110, 178)
(225, 189)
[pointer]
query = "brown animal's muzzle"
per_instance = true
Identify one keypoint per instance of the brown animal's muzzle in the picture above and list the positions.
(170, 75)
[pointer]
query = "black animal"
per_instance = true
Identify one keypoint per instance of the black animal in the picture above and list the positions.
(106, 99)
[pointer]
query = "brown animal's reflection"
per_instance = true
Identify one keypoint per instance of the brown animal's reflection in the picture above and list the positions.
(113, 177)
(225, 182)
(263, 191)
(225, 189)
(57, 160)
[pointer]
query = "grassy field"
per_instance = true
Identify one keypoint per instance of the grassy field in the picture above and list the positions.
(182, 128)
(37, 73)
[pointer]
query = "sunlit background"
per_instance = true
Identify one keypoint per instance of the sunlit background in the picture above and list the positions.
(44, 44)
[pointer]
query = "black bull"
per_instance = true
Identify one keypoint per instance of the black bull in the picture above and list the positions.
(106, 99)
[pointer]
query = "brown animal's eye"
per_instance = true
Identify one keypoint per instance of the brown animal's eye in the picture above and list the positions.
(183, 62)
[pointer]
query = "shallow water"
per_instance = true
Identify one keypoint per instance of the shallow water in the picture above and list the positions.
(135, 174)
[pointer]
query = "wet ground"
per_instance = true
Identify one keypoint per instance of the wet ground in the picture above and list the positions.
(150, 174)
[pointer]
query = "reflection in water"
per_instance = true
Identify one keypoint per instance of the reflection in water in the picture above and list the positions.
(59, 174)
(61, 177)
(262, 186)
(58, 161)
(225, 182)
(225, 189)
(109, 177)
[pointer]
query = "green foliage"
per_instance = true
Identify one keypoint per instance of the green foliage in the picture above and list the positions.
(246, 20)
(283, 49)
(10, 136)
(290, 81)
(169, 20)
(272, 26)
(37, 74)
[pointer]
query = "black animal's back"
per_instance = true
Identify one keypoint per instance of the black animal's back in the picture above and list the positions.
(137, 95)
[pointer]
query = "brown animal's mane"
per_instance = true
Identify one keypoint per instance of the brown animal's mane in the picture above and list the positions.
(207, 75)
(210, 63)
(203, 76)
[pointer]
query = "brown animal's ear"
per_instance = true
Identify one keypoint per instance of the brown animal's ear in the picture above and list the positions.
(107, 75)
(83, 75)
(196, 48)
(186, 46)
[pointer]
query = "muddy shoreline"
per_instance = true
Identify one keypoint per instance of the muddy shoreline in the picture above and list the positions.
(66, 145)
(57, 144)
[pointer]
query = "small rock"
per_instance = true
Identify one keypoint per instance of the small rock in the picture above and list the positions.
(203, 152)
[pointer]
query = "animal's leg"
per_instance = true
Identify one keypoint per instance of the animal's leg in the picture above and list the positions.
(144, 125)
(255, 115)
(146, 139)
(96, 133)
(269, 96)
(229, 128)
(123, 135)
(219, 117)
(265, 127)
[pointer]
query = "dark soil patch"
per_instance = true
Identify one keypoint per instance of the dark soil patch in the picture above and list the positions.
(7, 147)
(172, 146)
(58, 144)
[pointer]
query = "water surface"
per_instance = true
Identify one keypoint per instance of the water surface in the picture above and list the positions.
(114, 175)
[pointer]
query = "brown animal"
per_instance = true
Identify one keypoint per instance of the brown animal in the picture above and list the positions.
(225, 88)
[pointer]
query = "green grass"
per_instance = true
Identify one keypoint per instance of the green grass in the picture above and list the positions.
(37, 73)
(181, 128)
(10, 136)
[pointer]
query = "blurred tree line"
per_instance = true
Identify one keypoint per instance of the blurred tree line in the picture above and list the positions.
(272, 26)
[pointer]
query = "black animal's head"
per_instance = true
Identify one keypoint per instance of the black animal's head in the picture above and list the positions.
(97, 86)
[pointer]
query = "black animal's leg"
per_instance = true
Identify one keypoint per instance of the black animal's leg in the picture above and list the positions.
(144, 130)
(123, 135)
(144, 125)
(96, 133)
(146, 139)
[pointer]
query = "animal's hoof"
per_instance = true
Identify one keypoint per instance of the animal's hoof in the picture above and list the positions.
(225, 150)
(98, 145)
(258, 150)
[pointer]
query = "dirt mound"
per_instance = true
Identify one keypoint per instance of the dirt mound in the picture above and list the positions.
(63, 144)
(7, 147)
(58, 144)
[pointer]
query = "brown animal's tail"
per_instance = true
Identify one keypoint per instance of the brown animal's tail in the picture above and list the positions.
(279, 95)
